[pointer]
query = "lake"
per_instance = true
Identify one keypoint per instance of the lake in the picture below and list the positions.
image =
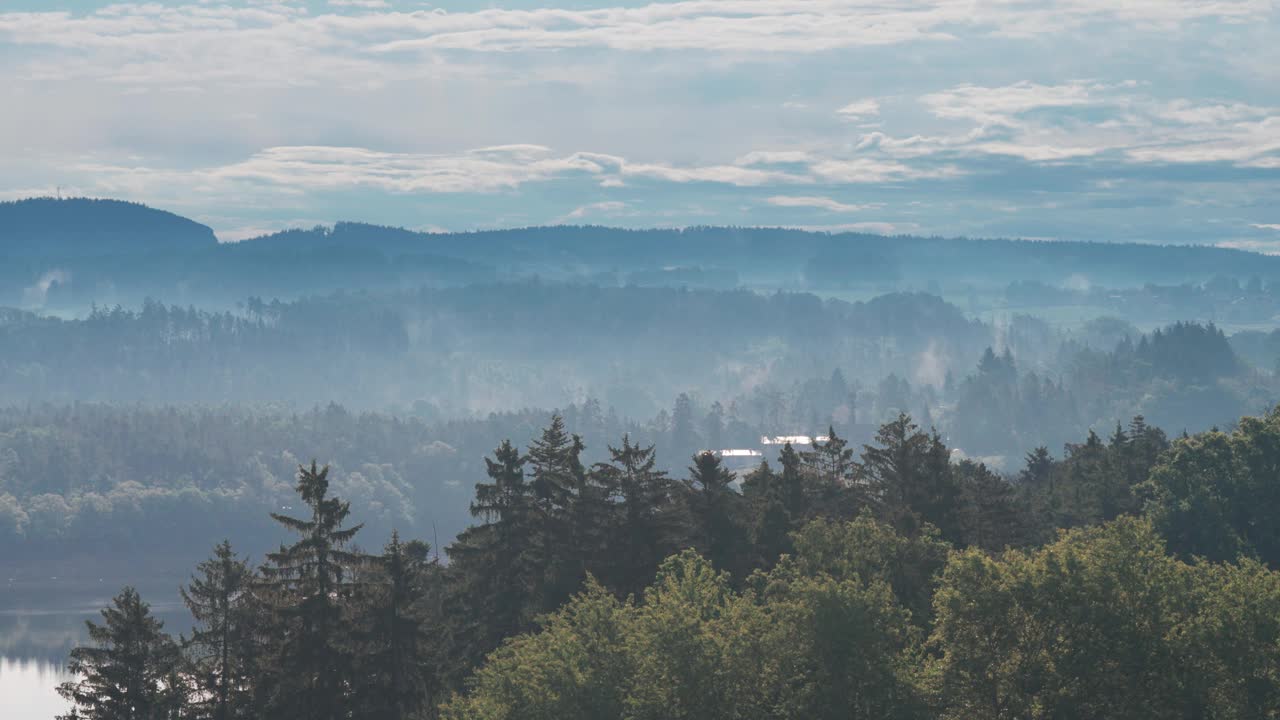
(38, 627)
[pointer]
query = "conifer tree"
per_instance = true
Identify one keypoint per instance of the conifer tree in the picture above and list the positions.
(130, 670)
(770, 522)
(221, 649)
(396, 662)
(311, 585)
(792, 487)
(829, 467)
(644, 532)
(497, 568)
(908, 475)
(718, 515)
(558, 477)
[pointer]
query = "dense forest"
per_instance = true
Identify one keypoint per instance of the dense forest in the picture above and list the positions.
(581, 472)
(447, 353)
(65, 255)
(83, 476)
(1131, 578)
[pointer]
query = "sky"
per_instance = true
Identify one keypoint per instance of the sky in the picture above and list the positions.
(1109, 120)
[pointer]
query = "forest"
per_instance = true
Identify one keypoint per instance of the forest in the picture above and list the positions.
(580, 472)
(63, 255)
(1132, 578)
(80, 477)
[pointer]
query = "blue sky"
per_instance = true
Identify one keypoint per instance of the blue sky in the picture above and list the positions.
(1148, 120)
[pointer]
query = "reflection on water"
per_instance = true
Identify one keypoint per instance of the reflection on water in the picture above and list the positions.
(37, 630)
(27, 689)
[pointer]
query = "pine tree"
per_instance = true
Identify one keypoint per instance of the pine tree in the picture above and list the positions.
(770, 523)
(311, 584)
(645, 529)
(718, 515)
(221, 649)
(829, 467)
(396, 660)
(908, 476)
(130, 671)
(558, 477)
(792, 488)
(497, 569)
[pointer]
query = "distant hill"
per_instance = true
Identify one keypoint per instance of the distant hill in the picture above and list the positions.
(72, 253)
(80, 227)
(786, 256)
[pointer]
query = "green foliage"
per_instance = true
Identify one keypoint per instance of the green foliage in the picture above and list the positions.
(222, 651)
(1215, 494)
(1104, 624)
(871, 550)
(933, 601)
(577, 666)
(309, 585)
(129, 671)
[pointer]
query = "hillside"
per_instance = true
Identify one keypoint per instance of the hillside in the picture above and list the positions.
(82, 227)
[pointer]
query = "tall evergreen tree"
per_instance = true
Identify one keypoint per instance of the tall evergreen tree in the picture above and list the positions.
(908, 474)
(497, 568)
(792, 488)
(829, 467)
(557, 478)
(396, 660)
(646, 527)
(130, 670)
(310, 583)
(770, 525)
(718, 515)
(222, 648)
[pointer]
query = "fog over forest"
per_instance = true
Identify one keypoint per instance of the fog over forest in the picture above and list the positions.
(651, 391)
(152, 373)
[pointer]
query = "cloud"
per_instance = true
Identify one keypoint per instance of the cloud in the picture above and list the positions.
(1267, 226)
(605, 207)
(1085, 110)
(280, 44)
(875, 228)
(821, 203)
(1266, 247)
(859, 110)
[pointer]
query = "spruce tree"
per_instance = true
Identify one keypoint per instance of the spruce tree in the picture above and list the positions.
(557, 478)
(130, 670)
(908, 476)
(829, 467)
(645, 529)
(310, 582)
(396, 660)
(221, 649)
(497, 569)
(770, 523)
(718, 515)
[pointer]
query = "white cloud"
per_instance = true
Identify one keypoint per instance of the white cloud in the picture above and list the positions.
(858, 170)
(605, 208)
(773, 157)
(279, 44)
(1267, 226)
(876, 228)
(1001, 105)
(859, 110)
(815, 201)
(1266, 247)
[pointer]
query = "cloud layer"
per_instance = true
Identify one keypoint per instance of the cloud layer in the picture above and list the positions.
(1058, 118)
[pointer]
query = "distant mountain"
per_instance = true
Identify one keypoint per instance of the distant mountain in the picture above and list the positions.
(72, 253)
(765, 256)
(80, 227)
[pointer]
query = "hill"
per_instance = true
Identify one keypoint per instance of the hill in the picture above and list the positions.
(83, 227)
